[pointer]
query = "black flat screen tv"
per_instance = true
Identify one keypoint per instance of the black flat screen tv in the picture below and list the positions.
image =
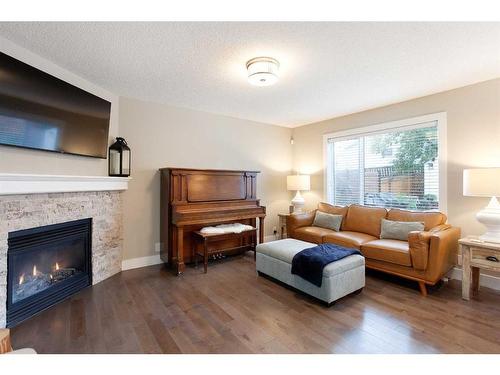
(40, 111)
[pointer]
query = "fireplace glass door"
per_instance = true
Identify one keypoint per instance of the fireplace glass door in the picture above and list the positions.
(46, 265)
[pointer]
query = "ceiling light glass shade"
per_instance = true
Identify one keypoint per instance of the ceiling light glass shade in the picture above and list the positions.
(263, 71)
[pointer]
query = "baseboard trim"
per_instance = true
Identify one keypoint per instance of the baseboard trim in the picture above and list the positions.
(488, 281)
(130, 264)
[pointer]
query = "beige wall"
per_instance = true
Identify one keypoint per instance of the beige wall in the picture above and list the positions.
(473, 117)
(17, 160)
(164, 136)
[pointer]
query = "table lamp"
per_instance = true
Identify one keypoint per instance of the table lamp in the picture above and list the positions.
(485, 182)
(298, 183)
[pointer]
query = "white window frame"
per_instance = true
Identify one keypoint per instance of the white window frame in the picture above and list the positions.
(414, 122)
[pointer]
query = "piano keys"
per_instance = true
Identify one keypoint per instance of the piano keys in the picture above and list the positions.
(195, 198)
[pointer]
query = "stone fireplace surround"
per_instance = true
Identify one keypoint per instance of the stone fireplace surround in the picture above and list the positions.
(29, 201)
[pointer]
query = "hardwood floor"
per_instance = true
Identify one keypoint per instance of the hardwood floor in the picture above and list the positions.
(149, 310)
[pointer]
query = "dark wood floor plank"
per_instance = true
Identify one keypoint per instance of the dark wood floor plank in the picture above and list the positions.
(232, 310)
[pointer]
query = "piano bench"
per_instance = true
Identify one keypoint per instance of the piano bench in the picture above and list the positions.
(208, 238)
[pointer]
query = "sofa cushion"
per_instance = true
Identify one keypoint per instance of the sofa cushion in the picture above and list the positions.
(364, 219)
(327, 221)
(334, 210)
(391, 251)
(399, 230)
(348, 239)
(430, 219)
(311, 234)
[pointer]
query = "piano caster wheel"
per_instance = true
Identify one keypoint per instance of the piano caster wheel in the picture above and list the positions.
(180, 269)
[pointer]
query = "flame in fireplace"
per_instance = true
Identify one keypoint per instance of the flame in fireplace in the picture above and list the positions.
(57, 266)
(34, 270)
(21, 279)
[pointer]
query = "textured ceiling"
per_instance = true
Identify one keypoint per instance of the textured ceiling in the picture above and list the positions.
(327, 69)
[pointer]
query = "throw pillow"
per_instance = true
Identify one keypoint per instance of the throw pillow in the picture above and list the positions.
(398, 230)
(328, 221)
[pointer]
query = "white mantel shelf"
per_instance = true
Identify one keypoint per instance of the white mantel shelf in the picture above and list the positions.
(12, 184)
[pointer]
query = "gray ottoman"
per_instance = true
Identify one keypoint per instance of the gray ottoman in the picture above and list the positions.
(339, 278)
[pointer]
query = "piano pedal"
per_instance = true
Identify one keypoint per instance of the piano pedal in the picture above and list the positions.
(217, 256)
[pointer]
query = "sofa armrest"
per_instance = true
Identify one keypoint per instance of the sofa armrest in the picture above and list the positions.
(443, 251)
(420, 242)
(440, 228)
(295, 221)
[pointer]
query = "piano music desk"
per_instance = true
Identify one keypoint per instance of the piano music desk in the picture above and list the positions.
(208, 238)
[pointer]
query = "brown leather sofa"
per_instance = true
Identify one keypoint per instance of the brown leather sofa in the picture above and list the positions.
(426, 257)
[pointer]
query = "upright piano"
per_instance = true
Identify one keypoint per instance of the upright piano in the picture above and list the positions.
(195, 198)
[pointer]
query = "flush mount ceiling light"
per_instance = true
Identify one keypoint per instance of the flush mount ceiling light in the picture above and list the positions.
(263, 71)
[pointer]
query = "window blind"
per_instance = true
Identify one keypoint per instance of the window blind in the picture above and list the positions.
(393, 168)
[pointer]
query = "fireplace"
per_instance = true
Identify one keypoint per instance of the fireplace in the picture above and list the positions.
(46, 265)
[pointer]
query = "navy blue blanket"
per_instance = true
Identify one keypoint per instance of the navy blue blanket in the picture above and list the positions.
(309, 263)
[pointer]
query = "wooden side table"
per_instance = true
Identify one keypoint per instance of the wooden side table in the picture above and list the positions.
(5, 341)
(282, 224)
(477, 255)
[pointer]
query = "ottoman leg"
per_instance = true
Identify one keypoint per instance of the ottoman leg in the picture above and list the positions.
(357, 291)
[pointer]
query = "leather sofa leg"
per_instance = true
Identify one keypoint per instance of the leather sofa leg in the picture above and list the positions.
(423, 288)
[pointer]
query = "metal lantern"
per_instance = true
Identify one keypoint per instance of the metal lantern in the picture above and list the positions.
(119, 158)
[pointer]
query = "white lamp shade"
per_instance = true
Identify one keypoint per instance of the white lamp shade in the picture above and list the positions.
(298, 182)
(482, 182)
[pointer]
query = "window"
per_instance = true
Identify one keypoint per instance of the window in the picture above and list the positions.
(392, 165)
